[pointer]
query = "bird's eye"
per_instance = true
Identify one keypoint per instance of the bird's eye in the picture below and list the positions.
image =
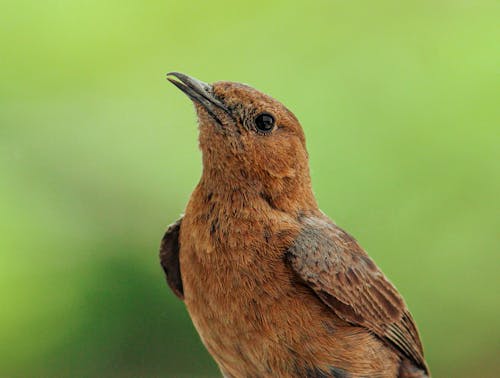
(264, 122)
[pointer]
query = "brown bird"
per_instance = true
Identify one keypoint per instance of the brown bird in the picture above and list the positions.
(273, 286)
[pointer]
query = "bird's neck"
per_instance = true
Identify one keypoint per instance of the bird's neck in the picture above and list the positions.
(291, 195)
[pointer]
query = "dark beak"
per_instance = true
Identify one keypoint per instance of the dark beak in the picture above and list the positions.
(199, 92)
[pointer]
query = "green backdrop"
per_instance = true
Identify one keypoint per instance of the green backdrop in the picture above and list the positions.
(98, 154)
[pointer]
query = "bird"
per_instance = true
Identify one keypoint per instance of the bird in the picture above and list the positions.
(273, 286)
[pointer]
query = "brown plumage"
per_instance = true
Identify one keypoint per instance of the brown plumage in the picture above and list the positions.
(273, 286)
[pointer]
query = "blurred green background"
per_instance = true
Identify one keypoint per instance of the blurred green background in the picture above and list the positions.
(98, 154)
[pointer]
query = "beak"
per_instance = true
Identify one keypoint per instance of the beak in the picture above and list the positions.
(199, 92)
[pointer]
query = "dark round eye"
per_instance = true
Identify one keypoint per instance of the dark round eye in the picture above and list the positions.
(264, 122)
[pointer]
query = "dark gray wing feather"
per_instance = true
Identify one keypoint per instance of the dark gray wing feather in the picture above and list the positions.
(344, 277)
(169, 258)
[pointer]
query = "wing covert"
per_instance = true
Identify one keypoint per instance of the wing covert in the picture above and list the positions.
(347, 280)
(169, 258)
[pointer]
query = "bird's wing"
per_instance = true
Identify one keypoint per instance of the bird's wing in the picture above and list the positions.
(344, 277)
(169, 258)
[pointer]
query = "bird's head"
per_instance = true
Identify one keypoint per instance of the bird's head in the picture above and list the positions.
(248, 140)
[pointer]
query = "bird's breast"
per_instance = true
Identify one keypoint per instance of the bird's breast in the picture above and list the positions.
(236, 284)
